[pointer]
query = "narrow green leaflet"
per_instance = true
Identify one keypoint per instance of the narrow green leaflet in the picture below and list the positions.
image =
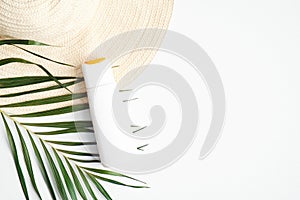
(64, 131)
(65, 174)
(87, 184)
(59, 183)
(57, 111)
(77, 153)
(15, 156)
(111, 173)
(42, 167)
(99, 187)
(39, 90)
(84, 161)
(43, 57)
(27, 160)
(69, 124)
(14, 42)
(76, 181)
(67, 143)
(23, 42)
(28, 80)
(49, 100)
(116, 182)
(23, 61)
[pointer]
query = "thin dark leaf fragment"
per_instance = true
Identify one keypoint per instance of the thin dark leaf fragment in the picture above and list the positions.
(127, 90)
(141, 147)
(127, 100)
(134, 126)
(139, 129)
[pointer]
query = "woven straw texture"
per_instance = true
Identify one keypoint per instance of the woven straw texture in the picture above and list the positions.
(77, 27)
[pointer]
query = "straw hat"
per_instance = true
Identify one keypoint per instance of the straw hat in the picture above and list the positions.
(78, 27)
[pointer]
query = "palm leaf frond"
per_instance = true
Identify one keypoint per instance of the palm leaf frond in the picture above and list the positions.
(65, 182)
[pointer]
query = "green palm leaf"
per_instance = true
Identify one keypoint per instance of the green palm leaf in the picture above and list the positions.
(64, 175)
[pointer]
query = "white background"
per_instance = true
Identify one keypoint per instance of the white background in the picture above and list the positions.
(255, 45)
